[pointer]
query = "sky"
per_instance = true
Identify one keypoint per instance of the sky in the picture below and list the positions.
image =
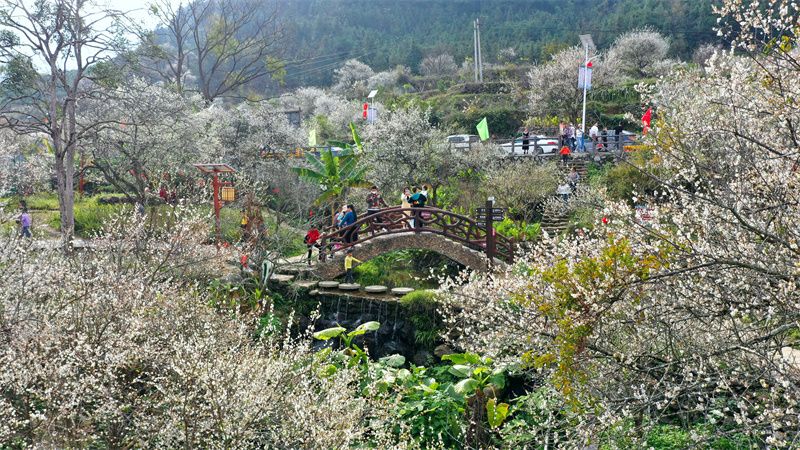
(137, 9)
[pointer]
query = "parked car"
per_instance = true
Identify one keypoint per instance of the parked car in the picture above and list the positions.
(538, 145)
(462, 140)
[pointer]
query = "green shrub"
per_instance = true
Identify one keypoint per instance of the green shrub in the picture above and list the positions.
(669, 437)
(623, 180)
(521, 231)
(407, 268)
(421, 312)
(89, 216)
(46, 201)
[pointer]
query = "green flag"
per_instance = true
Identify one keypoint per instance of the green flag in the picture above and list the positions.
(483, 129)
(312, 138)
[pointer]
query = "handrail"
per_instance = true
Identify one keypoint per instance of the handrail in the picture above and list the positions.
(397, 220)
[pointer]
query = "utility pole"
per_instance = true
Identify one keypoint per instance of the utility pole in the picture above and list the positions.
(480, 57)
(475, 47)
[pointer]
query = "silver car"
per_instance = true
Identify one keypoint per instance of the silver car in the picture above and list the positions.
(537, 145)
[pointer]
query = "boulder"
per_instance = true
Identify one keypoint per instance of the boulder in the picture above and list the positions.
(442, 350)
(422, 358)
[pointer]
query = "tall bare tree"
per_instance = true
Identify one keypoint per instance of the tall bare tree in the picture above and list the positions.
(224, 45)
(169, 61)
(71, 43)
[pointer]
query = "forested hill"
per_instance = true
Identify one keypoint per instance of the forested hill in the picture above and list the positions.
(384, 33)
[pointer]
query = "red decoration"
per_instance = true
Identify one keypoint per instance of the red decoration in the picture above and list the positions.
(605, 220)
(646, 118)
(589, 64)
(366, 109)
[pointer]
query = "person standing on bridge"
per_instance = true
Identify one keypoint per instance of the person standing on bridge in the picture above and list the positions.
(349, 259)
(350, 217)
(405, 203)
(374, 204)
(418, 200)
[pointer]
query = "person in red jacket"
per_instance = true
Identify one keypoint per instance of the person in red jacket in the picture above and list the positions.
(564, 154)
(311, 241)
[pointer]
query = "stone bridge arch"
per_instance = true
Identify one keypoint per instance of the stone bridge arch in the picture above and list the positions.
(379, 245)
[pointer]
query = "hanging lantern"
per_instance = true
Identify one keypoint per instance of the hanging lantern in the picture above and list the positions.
(228, 193)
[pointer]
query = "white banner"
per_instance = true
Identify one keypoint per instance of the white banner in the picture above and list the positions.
(585, 73)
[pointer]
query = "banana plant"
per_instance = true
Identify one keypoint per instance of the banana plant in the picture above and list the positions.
(478, 377)
(335, 174)
(355, 353)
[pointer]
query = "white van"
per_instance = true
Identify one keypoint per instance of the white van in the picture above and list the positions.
(463, 140)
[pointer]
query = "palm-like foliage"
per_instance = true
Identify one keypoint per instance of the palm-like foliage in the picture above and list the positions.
(335, 175)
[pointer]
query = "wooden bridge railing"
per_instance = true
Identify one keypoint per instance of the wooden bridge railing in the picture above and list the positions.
(397, 220)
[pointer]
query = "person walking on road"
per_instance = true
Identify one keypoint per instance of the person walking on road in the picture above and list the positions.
(618, 136)
(349, 259)
(570, 134)
(525, 141)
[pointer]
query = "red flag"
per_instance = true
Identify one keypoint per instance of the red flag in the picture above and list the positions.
(646, 120)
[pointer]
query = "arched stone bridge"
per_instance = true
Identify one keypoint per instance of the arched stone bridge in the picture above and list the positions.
(457, 237)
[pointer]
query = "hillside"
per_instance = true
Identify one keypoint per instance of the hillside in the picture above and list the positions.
(321, 34)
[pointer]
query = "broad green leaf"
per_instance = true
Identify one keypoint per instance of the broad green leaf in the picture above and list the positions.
(403, 374)
(498, 379)
(463, 358)
(393, 360)
(322, 354)
(356, 138)
(328, 333)
(389, 378)
(496, 414)
(455, 358)
(340, 144)
(364, 327)
(466, 386)
(481, 370)
(461, 370)
(328, 370)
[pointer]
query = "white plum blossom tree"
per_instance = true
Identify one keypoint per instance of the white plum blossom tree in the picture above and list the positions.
(638, 53)
(438, 65)
(150, 131)
(689, 317)
(113, 349)
(404, 149)
(351, 80)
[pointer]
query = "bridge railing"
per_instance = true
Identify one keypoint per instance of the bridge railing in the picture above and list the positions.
(397, 220)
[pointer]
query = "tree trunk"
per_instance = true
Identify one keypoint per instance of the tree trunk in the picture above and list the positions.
(65, 171)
